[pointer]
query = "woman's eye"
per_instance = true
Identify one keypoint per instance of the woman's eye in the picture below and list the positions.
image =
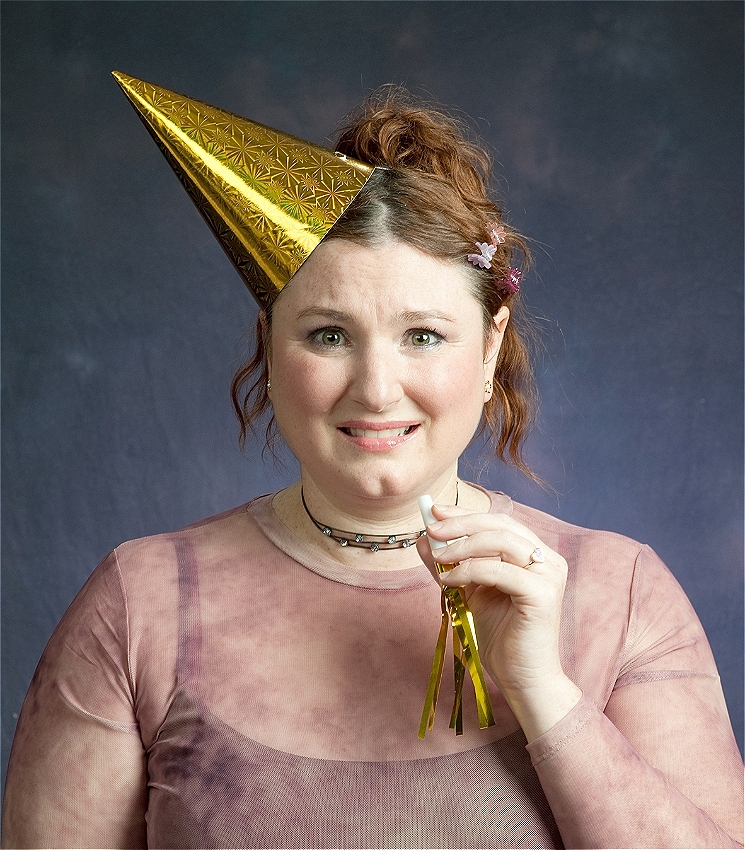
(423, 338)
(329, 338)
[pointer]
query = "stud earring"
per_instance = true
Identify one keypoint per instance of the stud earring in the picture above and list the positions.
(488, 387)
(268, 384)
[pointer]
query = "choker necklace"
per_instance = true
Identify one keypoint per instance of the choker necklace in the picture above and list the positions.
(373, 542)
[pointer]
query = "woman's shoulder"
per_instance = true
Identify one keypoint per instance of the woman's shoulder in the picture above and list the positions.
(595, 555)
(575, 535)
(216, 534)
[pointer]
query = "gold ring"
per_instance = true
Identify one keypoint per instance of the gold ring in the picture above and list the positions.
(536, 557)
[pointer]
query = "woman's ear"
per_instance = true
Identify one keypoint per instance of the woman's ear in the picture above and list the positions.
(494, 342)
(265, 330)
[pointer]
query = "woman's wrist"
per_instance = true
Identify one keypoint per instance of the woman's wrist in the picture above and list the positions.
(540, 708)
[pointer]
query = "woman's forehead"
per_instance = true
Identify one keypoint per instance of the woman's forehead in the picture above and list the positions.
(346, 277)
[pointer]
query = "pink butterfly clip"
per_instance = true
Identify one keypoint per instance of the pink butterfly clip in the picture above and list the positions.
(496, 233)
(511, 283)
(483, 260)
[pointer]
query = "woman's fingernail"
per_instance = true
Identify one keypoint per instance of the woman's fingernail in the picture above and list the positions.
(434, 526)
(448, 581)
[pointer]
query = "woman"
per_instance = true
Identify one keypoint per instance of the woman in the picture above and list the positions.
(257, 679)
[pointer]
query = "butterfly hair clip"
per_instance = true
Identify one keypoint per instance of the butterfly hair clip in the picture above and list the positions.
(497, 237)
(510, 284)
(483, 260)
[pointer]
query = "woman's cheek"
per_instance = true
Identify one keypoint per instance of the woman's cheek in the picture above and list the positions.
(459, 382)
(308, 383)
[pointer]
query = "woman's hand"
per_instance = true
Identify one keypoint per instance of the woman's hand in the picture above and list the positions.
(516, 607)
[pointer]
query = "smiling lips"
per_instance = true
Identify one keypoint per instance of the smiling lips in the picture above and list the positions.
(378, 438)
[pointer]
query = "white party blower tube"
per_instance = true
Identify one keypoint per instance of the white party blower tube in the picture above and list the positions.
(425, 506)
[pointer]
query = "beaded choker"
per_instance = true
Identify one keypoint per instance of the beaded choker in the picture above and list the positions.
(373, 542)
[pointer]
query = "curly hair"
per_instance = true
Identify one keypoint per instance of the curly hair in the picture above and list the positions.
(431, 194)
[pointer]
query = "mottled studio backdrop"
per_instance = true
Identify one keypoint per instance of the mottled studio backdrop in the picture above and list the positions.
(617, 128)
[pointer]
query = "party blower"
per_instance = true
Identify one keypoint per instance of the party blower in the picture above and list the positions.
(465, 647)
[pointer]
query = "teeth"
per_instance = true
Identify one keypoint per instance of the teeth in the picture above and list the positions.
(381, 435)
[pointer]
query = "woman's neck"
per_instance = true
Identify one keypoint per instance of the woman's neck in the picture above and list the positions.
(401, 520)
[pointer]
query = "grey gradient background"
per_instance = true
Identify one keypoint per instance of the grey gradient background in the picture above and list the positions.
(617, 128)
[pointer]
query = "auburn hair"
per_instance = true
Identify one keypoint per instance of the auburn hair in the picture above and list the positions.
(431, 192)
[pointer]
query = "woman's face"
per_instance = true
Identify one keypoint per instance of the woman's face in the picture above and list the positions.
(378, 364)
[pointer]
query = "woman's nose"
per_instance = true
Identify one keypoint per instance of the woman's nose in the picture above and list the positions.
(377, 378)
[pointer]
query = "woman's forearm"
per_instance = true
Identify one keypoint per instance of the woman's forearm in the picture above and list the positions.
(603, 793)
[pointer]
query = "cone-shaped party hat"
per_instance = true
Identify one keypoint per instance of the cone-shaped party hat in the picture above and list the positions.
(268, 197)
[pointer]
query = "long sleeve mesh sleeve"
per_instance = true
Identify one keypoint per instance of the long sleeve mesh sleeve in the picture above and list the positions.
(77, 775)
(659, 767)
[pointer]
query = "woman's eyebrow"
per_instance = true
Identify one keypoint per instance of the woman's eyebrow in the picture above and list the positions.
(425, 316)
(324, 313)
(407, 317)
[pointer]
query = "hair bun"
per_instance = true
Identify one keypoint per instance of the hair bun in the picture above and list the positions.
(393, 129)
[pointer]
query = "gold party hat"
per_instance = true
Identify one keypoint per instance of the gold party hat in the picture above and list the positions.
(268, 197)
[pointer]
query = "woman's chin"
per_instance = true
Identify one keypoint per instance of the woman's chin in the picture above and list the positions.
(382, 490)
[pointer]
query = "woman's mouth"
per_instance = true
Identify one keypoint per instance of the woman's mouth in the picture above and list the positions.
(379, 439)
(379, 434)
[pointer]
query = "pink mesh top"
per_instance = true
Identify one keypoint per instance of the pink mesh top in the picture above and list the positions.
(225, 686)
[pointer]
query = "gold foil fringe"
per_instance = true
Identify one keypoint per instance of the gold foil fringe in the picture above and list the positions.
(465, 657)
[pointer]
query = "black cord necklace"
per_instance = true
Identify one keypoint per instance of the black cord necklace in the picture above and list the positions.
(373, 542)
